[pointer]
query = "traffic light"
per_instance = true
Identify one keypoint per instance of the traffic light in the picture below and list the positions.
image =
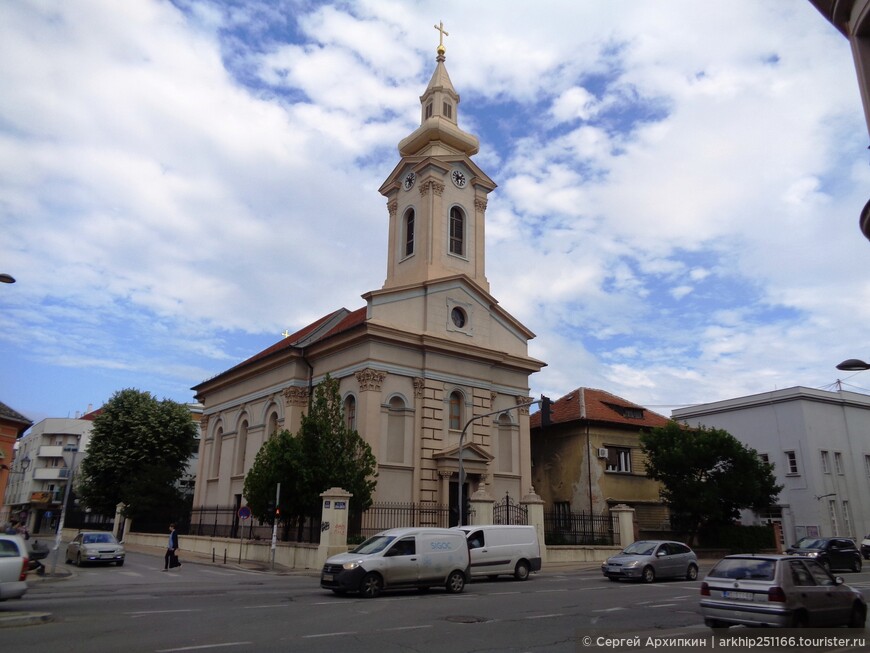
(277, 511)
(546, 412)
(270, 509)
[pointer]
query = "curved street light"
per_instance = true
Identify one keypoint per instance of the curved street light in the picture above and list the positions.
(853, 365)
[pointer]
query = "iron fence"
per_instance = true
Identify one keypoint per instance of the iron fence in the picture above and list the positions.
(381, 516)
(580, 528)
(508, 511)
(220, 521)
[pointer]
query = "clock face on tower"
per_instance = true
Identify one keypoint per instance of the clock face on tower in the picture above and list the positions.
(409, 180)
(458, 178)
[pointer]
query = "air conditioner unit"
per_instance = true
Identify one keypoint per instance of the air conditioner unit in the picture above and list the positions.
(602, 452)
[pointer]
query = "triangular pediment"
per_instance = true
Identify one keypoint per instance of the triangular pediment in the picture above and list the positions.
(473, 456)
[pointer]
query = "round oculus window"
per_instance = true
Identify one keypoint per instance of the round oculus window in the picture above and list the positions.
(458, 317)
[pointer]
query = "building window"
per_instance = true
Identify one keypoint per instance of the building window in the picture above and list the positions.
(826, 464)
(563, 514)
(765, 458)
(867, 464)
(619, 460)
(241, 449)
(832, 510)
(791, 463)
(272, 426)
(838, 462)
(350, 412)
(457, 231)
(448, 110)
(429, 110)
(505, 444)
(216, 452)
(847, 519)
(396, 431)
(455, 411)
(409, 232)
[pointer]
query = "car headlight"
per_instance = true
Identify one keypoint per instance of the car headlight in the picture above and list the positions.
(813, 554)
(351, 565)
(633, 563)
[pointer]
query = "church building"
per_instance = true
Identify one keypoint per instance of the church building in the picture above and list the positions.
(428, 351)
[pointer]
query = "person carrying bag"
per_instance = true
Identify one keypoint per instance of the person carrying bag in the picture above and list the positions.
(170, 560)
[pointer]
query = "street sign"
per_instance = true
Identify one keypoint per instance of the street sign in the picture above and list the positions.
(244, 512)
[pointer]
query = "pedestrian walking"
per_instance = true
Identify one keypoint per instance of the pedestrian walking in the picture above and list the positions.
(170, 560)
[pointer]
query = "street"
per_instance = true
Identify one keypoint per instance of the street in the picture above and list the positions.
(206, 607)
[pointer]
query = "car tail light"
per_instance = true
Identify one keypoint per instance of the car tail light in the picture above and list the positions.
(24, 567)
(776, 594)
(705, 589)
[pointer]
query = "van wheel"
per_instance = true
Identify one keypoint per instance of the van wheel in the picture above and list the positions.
(522, 570)
(371, 585)
(856, 564)
(455, 582)
(858, 616)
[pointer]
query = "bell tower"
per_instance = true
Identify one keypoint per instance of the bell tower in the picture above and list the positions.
(437, 195)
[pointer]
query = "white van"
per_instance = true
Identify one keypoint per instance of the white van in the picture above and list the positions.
(497, 549)
(400, 557)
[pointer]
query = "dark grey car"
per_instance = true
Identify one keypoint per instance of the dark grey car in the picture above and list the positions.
(647, 560)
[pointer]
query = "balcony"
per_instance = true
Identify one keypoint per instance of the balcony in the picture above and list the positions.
(48, 451)
(50, 474)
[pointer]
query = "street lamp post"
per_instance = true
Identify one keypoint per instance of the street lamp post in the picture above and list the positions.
(462, 441)
(73, 449)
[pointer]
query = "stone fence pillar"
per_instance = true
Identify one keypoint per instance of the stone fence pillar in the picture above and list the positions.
(534, 505)
(481, 508)
(333, 527)
(625, 519)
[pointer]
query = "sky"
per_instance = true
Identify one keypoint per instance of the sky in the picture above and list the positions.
(676, 217)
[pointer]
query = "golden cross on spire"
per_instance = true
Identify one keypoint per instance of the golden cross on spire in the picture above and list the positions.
(285, 333)
(441, 35)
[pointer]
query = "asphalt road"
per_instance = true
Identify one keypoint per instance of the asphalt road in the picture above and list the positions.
(205, 607)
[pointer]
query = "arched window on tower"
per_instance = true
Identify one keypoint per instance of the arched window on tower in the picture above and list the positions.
(455, 411)
(350, 412)
(216, 452)
(409, 232)
(505, 443)
(457, 231)
(271, 425)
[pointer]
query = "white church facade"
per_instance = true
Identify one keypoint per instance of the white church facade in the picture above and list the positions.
(428, 351)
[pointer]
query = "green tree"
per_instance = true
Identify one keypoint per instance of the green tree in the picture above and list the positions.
(138, 450)
(708, 476)
(324, 454)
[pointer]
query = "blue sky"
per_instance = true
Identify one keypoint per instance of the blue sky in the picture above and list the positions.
(676, 217)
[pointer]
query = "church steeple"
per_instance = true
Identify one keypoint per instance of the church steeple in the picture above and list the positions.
(436, 194)
(439, 131)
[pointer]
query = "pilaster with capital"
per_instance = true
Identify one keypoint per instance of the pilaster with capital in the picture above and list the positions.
(370, 380)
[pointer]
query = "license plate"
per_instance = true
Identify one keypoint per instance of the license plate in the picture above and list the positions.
(741, 596)
(327, 577)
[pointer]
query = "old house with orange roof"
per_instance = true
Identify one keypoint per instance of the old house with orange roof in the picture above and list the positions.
(589, 458)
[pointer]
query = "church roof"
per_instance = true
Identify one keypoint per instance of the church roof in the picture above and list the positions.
(599, 406)
(325, 327)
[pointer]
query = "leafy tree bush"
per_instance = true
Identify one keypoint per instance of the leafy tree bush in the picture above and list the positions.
(324, 454)
(138, 450)
(708, 476)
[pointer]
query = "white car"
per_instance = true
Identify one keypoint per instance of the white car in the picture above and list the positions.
(13, 567)
(95, 546)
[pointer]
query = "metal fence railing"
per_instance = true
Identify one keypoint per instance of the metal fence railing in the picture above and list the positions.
(580, 528)
(382, 516)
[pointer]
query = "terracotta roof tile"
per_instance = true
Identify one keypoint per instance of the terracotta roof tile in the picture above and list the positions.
(599, 406)
(12, 415)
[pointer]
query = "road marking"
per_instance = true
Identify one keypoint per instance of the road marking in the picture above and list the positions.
(405, 628)
(347, 632)
(545, 616)
(258, 607)
(608, 609)
(662, 605)
(203, 646)
(150, 612)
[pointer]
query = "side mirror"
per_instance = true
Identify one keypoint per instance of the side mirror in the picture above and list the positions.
(839, 580)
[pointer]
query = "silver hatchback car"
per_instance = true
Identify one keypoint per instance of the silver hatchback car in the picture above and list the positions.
(647, 560)
(778, 590)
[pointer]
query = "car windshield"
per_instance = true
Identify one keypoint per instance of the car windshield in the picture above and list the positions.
(744, 568)
(374, 544)
(640, 549)
(99, 538)
(809, 543)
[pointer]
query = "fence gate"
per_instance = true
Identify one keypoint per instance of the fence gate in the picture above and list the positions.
(507, 511)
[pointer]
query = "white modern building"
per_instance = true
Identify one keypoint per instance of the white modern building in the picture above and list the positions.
(819, 444)
(47, 453)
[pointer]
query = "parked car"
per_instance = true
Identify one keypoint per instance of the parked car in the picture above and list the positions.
(95, 546)
(647, 560)
(500, 549)
(13, 566)
(865, 547)
(778, 590)
(400, 557)
(830, 552)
